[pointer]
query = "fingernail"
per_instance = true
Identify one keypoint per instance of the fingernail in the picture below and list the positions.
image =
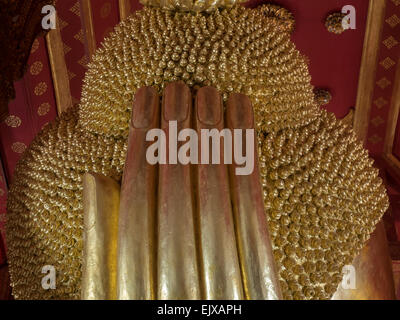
(209, 106)
(239, 111)
(144, 107)
(177, 98)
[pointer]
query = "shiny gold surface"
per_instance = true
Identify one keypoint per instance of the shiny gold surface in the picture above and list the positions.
(373, 270)
(322, 195)
(101, 207)
(238, 50)
(219, 254)
(86, 11)
(259, 274)
(191, 5)
(59, 70)
(178, 274)
(369, 65)
(136, 238)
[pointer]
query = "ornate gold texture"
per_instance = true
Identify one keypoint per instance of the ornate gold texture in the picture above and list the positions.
(158, 255)
(233, 50)
(321, 194)
(373, 271)
(191, 5)
(334, 23)
(322, 96)
(45, 206)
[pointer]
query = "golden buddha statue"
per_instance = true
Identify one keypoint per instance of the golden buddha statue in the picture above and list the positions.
(321, 195)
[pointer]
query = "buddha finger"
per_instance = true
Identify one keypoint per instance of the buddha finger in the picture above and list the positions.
(260, 278)
(177, 269)
(136, 241)
(219, 257)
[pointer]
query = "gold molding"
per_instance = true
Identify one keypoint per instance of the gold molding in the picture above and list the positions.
(86, 9)
(393, 114)
(59, 70)
(369, 63)
(393, 163)
(124, 9)
(349, 118)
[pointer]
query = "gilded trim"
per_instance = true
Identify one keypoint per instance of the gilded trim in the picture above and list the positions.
(59, 70)
(86, 9)
(369, 63)
(393, 115)
(124, 9)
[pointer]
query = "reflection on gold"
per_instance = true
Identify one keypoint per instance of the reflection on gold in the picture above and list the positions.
(219, 255)
(179, 242)
(259, 275)
(178, 276)
(373, 271)
(101, 206)
(59, 71)
(193, 232)
(137, 208)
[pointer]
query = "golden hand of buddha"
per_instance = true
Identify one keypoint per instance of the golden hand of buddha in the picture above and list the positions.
(185, 231)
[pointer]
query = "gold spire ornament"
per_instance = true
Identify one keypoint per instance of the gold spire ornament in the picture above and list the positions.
(322, 195)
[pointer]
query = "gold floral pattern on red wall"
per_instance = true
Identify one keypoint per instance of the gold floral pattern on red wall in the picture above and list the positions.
(36, 68)
(105, 10)
(40, 89)
(388, 57)
(13, 121)
(43, 109)
(18, 147)
(35, 46)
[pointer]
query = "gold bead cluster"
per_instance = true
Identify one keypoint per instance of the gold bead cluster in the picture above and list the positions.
(235, 50)
(191, 5)
(322, 97)
(334, 23)
(322, 196)
(323, 199)
(45, 220)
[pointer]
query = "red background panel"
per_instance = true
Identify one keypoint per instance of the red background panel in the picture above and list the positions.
(33, 107)
(105, 17)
